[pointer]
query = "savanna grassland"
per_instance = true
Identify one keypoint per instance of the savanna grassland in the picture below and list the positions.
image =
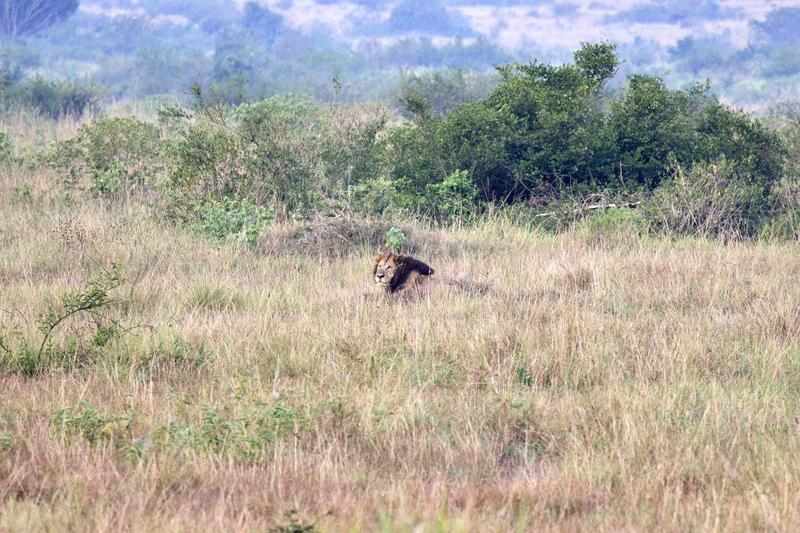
(606, 380)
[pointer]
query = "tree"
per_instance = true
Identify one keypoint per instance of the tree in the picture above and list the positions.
(27, 17)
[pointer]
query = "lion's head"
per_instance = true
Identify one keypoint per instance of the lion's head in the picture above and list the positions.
(393, 272)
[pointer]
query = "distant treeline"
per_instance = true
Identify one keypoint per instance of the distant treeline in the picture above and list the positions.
(545, 137)
(162, 48)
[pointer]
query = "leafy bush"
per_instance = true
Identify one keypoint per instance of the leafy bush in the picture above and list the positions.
(395, 239)
(543, 136)
(118, 155)
(93, 425)
(233, 220)
(550, 131)
(6, 150)
(285, 152)
(53, 99)
(439, 92)
(454, 198)
(206, 162)
(654, 127)
(384, 196)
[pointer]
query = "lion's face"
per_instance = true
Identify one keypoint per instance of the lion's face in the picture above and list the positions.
(397, 272)
(386, 266)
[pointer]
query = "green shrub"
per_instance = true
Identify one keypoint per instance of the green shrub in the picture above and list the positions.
(548, 131)
(295, 156)
(6, 149)
(92, 307)
(395, 239)
(233, 220)
(86, 421)
(454, 198)
(383, 196)
(118, 155)
(206, 161)
(53, 99)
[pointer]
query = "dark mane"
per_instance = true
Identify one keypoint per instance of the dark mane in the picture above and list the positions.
(406, 266)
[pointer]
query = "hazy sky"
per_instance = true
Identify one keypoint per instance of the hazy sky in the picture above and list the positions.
(513, 25)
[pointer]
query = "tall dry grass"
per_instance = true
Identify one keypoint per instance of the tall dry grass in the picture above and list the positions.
(603, 383)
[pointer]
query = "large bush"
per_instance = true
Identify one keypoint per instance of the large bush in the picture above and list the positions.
(53, 99)
(117, 155)
(550, 131)
(290, 154)
(653, 126)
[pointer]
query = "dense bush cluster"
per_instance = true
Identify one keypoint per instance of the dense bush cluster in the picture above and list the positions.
(53, 99)
(543, 137)
(546, 129)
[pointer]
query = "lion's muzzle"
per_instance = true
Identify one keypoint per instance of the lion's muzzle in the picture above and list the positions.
(383, 277)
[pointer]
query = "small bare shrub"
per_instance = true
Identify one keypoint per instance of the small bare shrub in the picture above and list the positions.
(92, 305)
(709, 201)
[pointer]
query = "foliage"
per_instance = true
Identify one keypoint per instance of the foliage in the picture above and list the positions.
(93, 304)
(6, 149)
(439, 92)
(453, 198)
(547, 132)
(544, 136)
(233, 220)
(539, 127)
(284, 152)
(90, 301)
(118, 155)
(384, 196)
(395, 239)
(93, 425)
(53, 99)
(482, 140)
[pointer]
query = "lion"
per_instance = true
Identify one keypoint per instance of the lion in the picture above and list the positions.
(393, 272)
